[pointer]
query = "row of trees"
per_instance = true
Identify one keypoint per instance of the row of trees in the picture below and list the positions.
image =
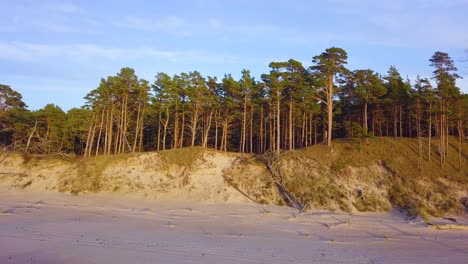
(290, 107)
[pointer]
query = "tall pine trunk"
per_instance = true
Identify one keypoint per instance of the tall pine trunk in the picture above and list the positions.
(243, 129)
(206, 130)
(418, 132)
(290, 126)
(395, 121)
(137, 129)
(216, 129)
(194, 125)
(278, 123)
(401, 121)
(182, 131)
(176, 126)
(460, 136)
(158, 143)
(429, 133)
(142, 122)
(100, 132)
(329, 109)
(364, 122)
(165, 125)
(251, 128)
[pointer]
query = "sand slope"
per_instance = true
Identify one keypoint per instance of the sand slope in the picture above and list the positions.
(150, 175)
(47, 227)
(351, 177)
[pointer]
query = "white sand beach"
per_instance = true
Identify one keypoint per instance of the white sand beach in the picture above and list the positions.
(48, 227)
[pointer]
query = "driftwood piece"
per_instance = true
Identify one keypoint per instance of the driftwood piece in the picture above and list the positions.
(451, 219)
(13, 173)
(230, 182)
(339, 223)
(287, 196)
(30, 137)
(5, 154)
(449, 227)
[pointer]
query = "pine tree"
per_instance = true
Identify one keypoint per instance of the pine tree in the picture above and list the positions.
(445, 76)
(14, 117)
(369, 88)
(329, 65)
(397, 94)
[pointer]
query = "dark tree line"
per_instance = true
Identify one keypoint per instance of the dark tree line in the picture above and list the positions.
(290, 107)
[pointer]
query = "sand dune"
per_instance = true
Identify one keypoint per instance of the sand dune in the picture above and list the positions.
(46, 227)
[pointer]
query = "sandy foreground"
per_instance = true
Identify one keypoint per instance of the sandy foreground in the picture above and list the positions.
(47, 227)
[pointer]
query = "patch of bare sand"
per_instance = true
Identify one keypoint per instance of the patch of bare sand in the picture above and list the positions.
(140, 175)
(46, 227)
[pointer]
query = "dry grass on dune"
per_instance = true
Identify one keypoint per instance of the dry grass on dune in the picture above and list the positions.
(377, 174)
(352, 175)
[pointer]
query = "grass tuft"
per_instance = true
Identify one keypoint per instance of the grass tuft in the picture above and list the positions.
(182, 157)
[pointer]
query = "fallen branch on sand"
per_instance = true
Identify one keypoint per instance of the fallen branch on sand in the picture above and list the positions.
(5, 152)
(14, 173)
(231, 183)
(330, 226)
(449, 227)
(450, 219)
(290, 199)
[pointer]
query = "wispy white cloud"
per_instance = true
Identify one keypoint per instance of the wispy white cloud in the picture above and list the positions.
(49, 26)
(24, 51)
(215, 23)
(268, 32)
(404, 28)
(43, 16)
(418, 23)
(396, 23)
(63, 7)
(239, 28)
(170, 24)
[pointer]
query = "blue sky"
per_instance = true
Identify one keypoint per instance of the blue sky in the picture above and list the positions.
(57, 51)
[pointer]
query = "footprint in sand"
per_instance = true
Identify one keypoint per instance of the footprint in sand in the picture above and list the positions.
(144, 210)
(172, 225)
(304, 234)
(236, 215)
(265, 212)
(235, 234)
(19, 209)
(386, 237)
(206, 233)
(8, 211)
